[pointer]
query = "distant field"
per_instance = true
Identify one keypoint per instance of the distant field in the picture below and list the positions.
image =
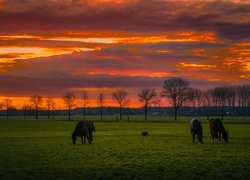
(38, 149)
(140, 118)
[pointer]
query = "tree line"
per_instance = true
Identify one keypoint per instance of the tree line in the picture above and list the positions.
(229, 100)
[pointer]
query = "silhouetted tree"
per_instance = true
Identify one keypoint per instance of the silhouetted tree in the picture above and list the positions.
(53, 109)
(207, 102)
(178, 90)
(36, 102)
(49, 104)
(231, 99)
(196, 97)
(70, 102)
(85, 102)
(121, 97)
(146, 95)
(26, 107)
(243, 95)
(100, 102)
(7, 103)
(220, 96)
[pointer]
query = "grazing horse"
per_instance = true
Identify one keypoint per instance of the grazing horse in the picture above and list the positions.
(216, 129)
(196, 129)
(83, 129)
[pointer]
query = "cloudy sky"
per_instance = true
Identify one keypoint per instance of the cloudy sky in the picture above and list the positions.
(50, 47)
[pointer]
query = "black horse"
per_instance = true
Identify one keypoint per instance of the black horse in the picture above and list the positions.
(217, 129)
(83, 129)
(196, 129)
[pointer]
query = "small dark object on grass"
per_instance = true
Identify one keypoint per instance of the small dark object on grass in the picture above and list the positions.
(144, 133)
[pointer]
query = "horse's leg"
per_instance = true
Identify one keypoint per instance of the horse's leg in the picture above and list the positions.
(215, 135)
(193, 137)
(90, 135)
(89, 139)
(219, 136)
(82, 139)
(212, 135)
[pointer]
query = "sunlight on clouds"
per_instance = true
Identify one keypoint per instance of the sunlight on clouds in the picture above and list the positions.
(192, 66)
(129, 72)
(174, 37)
(158, 51)
(9, 54)
(96, 90)
(88, 40)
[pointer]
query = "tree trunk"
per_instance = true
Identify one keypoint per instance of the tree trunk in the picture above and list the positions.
(48, 114)
(25, 113)
(69, 115)
(222, 112)
(175, 113)
(120, 113)
(53, 113)
(36, 113)
(146, 111)
(7, 113)
(84, 113)
(101, 113)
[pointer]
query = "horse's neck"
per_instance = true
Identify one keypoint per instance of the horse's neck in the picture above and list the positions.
(222, 128)
(74, 133)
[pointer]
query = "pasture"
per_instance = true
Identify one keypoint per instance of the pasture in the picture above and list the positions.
(39, 149)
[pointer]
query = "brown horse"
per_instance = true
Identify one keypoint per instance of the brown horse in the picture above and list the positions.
(217, 129)
(196, 130)
(83, 129)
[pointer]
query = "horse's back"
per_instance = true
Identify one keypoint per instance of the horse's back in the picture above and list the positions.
(211, 124)
(215, 124)
(195, 125)
(89, 124)
(81, 129)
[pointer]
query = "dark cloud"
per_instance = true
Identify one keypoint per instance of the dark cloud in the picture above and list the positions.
(227, 19)
(56, 86)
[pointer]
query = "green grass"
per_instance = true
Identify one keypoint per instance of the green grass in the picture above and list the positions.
(137, 118)
(43, 150)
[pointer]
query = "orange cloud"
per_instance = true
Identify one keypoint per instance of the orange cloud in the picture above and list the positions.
(192, 66)
(9, 54)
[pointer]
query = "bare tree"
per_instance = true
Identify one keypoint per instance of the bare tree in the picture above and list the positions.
(178, 90)
(220, 96)
(248, 99)
(49, 104)
(243, 94)
(157, 102)
(36, 102)
(207, 102)
(53, 109)
(100, 102)
(7, 104)
(121, 97)
(147, 95)
(26, 107)
(231, 99)
(70, 102)
(197, 100)
(85, 99)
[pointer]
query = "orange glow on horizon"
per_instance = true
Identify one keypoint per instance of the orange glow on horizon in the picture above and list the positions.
(20, 102)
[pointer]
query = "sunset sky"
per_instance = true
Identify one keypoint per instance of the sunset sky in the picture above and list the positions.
(49, 47)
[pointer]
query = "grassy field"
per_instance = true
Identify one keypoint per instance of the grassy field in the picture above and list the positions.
(136, 118)
(38, 149)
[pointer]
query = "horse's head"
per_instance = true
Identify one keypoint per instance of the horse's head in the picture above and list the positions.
(200, 138)
(73, 138)
(225, 136)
